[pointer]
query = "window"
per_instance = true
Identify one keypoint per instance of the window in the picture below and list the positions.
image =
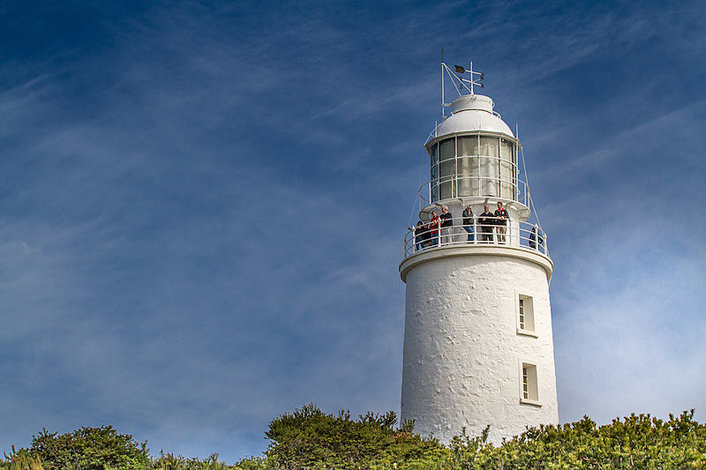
(530, 393)
(525, 315)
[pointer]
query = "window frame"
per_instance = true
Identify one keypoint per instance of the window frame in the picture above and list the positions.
(529, 383)
(526, 310)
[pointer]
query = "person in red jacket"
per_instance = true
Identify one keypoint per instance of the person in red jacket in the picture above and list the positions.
(434, 228)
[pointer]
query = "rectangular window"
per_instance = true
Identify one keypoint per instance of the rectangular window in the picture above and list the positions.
(530, 392)
(525, 315)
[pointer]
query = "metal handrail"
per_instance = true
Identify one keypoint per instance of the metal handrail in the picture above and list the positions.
(484, 231)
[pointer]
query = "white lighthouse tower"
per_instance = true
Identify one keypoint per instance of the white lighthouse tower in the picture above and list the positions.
(478, 346)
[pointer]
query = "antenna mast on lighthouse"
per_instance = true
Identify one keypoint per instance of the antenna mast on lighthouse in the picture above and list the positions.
(463, 80)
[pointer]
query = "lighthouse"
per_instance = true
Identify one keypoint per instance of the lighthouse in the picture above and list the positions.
(478, 347)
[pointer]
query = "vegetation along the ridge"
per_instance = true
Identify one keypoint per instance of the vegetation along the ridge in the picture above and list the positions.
(309, 438)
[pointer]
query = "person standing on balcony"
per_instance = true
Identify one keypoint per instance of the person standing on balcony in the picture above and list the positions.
(501, 222)
(535, 239)
(434, 228)
(446, 224)
(468, 223)
(418, 232)
(486, 221)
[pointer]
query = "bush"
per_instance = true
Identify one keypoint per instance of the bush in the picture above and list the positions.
(639, 441)
(170, 462)
(20, 460)
(310, 438)
(89, 449)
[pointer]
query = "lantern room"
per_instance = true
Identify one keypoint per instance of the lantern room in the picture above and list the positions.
(473, 154)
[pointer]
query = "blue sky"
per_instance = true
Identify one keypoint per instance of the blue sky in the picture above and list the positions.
(202, 205)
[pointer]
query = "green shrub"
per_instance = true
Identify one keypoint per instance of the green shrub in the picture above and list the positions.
(310, 438)
(89, 449)
(171, 462)
(639, 441)
(254, 463)
(20, 460)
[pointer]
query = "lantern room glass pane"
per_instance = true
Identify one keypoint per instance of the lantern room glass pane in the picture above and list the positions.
(468, 145)
(488, 146)
(447, 168)
(434, 154)
(446, 189)
(489, 176)
(446, 149)
(507, 178)
(506, 150)
(467, 175)
(475, 176)
(434, 183)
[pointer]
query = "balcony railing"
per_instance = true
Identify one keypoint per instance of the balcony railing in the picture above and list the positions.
(484, 231)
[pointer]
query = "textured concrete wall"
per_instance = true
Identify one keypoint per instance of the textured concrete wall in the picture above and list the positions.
(462, 350)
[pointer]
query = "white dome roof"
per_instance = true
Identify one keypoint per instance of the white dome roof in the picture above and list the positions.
(473, 113)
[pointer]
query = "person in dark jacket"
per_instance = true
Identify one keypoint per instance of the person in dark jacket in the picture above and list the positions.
(501, 217)
(486, 221)
(419, 232)
(468, 223)
(446, 224)
(535, 239)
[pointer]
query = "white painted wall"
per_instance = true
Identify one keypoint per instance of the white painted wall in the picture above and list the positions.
(462, 351)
